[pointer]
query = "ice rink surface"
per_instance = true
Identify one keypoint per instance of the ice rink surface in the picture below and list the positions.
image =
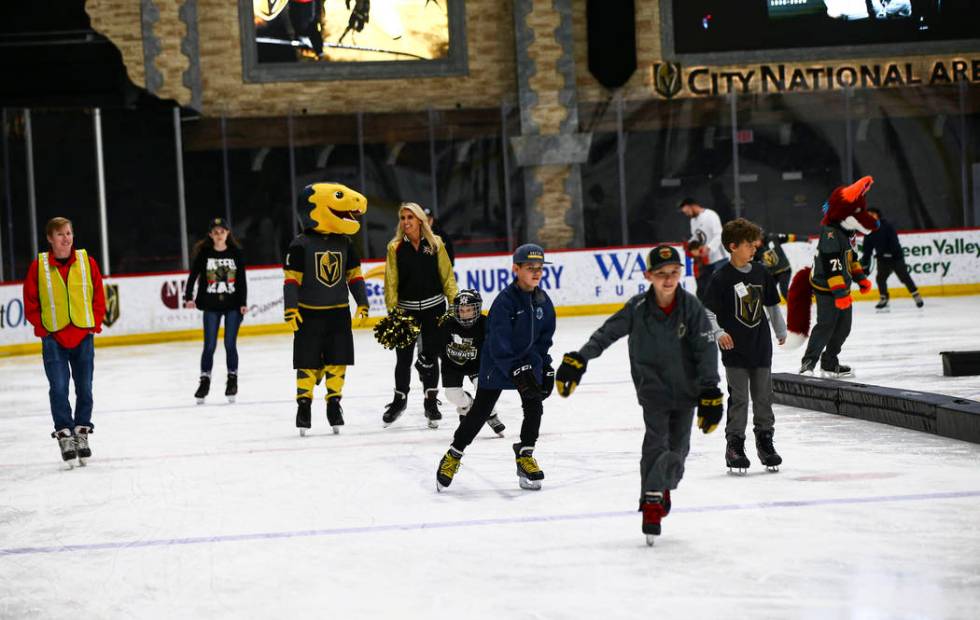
(224, 511)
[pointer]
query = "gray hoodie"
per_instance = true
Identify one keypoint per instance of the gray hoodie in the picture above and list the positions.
(672, 358)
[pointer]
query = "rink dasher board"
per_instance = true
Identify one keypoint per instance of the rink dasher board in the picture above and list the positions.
(938, 414)
(149, 308)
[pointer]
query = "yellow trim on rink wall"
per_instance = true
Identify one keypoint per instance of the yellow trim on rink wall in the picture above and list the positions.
(106, 340)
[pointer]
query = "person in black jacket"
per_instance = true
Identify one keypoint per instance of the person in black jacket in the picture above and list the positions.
(222, 293)
(887, 251)
(418, 280)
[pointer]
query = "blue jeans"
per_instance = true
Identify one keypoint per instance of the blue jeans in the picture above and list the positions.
(60, 365)
(212, 318)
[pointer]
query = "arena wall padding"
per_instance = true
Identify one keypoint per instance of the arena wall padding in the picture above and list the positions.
(939, 414)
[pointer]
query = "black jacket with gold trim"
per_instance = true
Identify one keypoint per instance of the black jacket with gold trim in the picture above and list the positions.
(319, 271)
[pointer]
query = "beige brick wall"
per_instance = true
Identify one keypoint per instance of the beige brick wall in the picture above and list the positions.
(120, 21)
(490, 45)
(554, 204)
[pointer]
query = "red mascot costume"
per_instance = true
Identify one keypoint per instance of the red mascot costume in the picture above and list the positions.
(835, 267)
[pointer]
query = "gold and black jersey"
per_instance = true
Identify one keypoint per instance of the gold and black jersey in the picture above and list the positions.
(319, 271)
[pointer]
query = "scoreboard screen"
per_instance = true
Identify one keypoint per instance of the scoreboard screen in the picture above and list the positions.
(707, 26)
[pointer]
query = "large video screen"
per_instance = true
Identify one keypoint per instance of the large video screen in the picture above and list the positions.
(703, 26)
(343, 39)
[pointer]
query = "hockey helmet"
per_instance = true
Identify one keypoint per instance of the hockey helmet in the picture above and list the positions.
(467, 305)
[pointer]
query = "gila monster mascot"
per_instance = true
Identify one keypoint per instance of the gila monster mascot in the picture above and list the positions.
(835, 266)
(321, 265)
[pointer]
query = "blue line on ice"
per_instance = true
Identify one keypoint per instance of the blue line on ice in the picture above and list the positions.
(377, 529)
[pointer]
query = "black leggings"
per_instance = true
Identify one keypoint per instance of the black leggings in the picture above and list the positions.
(432, 343)
(483, 405)
(887, 266)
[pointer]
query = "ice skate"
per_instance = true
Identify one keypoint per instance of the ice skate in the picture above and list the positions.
(529, 475)
(655, 506)
(495, 424)
(303, 415)
(836, 372)
(394, 409)
(767, 453)
(882, 305)
(918, 299)
(806, 369)
(335, 414)
(432, 413)
(448, 467)
(67, 444)
(231, 387)
(202, 389)
(82, 449)
(735, 455)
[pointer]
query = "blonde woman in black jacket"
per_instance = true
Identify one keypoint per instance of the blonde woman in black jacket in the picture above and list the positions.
(418, 280)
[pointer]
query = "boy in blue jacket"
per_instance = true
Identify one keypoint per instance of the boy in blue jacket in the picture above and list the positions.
(515, 355)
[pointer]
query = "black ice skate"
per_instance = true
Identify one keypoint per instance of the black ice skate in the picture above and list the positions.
(82, 449)
(395, 408)
(303, 415)
(918, 299)
(882, 305)
(767, 453)
(67, 444)
(735, 455)
(655, 506)
(806, 368)
(529, 475)
(448, 467)
(495, 424)
(432, 413)
(335, 414)
(202, 389)
(836, 372)
(231, 387)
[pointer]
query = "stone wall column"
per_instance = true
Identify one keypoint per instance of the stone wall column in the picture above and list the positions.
(550, 147)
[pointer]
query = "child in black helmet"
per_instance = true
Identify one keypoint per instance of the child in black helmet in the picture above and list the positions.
(465, 328)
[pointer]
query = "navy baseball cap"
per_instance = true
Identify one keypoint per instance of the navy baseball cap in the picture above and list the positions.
(215, 222)
(663, 255)
(529, 253)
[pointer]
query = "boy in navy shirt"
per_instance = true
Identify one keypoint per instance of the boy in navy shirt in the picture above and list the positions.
(735, 300)
(515, 355)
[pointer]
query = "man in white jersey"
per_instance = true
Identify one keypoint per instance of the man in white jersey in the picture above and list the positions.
(706, 229)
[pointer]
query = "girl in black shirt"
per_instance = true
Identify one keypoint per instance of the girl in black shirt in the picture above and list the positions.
(222, 292)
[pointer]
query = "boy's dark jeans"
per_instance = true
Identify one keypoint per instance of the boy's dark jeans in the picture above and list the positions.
(61, 364)
(482, 408)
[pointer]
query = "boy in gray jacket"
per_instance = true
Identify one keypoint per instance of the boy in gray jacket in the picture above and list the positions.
(674, 365)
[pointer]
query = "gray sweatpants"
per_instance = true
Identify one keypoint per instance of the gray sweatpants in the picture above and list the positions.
(741, 383)
(665, 446)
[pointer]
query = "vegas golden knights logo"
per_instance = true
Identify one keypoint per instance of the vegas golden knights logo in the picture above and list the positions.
(769, 258)
(667, 78)
(748, 309)
(329, 267)
(111, 304)
(268, 10)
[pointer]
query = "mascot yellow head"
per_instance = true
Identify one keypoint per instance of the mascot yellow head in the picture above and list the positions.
(331, 208)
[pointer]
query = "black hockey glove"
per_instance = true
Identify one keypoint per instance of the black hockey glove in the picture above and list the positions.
(709, 409)
(525, 382)
(570, 373)
(547, 381)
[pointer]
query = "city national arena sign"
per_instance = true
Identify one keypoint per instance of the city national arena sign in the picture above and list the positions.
(671, 79)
